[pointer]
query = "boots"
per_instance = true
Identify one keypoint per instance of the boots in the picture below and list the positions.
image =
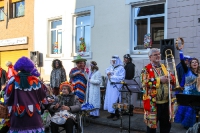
(116, 115)
(112, 115)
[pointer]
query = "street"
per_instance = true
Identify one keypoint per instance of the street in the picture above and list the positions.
(94, 128)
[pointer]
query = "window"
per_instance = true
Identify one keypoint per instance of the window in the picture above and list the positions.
(56, 36)
(148, 19)
(82, 33)
(1, 13)
(17, 9)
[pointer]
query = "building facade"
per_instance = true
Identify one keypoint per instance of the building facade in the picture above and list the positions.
(16, 29)
(99, 29)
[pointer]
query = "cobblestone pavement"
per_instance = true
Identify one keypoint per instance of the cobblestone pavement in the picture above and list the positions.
(94, 128)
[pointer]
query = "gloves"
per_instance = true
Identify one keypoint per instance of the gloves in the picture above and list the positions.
(181, 55)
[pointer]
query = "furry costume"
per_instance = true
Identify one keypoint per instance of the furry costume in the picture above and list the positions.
(23, 96)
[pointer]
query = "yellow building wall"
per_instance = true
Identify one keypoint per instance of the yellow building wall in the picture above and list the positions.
(18, 27)
(12, 56)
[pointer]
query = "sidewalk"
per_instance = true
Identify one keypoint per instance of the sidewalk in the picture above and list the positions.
(137, 123)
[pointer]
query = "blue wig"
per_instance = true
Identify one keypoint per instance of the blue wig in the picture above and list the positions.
(24, 64)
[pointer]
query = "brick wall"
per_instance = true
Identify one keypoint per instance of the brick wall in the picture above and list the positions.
(183, 22)
(19, 27)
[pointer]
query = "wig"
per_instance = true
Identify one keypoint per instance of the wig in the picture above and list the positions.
(24, 64)
(59, 64)
(35, 72)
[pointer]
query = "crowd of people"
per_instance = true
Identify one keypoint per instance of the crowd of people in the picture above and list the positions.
(27, 97)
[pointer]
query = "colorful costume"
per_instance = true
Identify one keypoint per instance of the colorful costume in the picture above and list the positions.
(79, 81)
(23, 97)
(11, 71)
(187, 115)
(155, 94)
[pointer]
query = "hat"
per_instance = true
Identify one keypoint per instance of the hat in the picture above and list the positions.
(127, 56)
(186, 57)
(66, 84)
(78, 58)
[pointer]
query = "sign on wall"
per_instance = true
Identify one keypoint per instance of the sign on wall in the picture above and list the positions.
(14, 41)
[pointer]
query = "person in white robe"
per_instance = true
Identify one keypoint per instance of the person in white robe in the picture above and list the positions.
(115, 74)
(93, 91)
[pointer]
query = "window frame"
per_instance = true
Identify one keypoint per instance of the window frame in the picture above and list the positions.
(49, 47)
(75, 27)
(144, 52)
(13, 10)
(82, 12)
(2, 10)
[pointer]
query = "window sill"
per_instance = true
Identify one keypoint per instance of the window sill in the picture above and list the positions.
(54, 55)
(87, 55)
(141, 53)
(17, 17)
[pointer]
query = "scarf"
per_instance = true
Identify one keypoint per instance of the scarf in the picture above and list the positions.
(23, 79)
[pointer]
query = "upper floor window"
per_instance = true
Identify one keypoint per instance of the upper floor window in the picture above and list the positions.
(17, 8)
(82, 33)
(56, 36)
(148, 20)
(1, 13)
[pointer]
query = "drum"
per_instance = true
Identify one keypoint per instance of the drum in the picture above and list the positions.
(126, 106)
(122, 106)
(115, 105)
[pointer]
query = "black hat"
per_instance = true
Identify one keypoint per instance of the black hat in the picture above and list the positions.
(127, 56)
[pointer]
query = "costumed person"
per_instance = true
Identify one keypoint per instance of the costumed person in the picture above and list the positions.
(11, 72)
(129, 67)
(78, 78)
(180, 70)
(129, 75)
(58, 75)
(3, 77)
(23, 97)
(115, 73)
(94, 81)
(185, 114)
(65, 101)
(154, 79)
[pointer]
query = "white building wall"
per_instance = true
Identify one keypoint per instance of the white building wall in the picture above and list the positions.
(109, 35)
(52, 9)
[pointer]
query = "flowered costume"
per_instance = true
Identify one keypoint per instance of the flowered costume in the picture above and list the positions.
(152, 93)
(80, 83)
(23, 94)
(185, 114)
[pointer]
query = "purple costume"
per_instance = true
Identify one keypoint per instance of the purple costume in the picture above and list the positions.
(23, 95)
